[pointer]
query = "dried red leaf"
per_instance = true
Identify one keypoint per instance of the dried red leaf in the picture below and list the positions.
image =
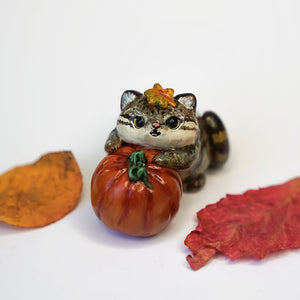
(253, 224)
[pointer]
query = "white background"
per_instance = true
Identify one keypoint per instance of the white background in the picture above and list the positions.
(63, 67)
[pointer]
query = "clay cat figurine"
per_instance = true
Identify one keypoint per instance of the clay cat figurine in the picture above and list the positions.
(157, 120)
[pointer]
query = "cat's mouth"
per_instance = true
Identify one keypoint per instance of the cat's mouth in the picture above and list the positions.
(155, 132)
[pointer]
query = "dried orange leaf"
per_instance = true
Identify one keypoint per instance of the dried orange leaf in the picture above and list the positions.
(41, 193)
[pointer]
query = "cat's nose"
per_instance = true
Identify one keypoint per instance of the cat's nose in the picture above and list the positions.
(155, 125)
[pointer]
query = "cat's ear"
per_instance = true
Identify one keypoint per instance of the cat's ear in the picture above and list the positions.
(188, 100)
(128, 97)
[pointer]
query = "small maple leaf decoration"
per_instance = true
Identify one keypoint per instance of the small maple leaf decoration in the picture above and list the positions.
(159, 96)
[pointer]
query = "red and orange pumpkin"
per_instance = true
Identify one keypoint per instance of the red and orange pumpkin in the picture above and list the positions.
(132, 194)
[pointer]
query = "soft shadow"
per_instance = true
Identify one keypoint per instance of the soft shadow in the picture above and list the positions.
(6, 229)
(85, 222)
(264, 261)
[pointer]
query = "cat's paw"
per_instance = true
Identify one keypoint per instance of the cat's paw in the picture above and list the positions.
(112, 145)
(177, 160)
(169, 159)
(160, 159)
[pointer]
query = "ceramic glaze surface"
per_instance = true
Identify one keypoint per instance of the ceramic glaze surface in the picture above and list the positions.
(187, 142)
(135, 207)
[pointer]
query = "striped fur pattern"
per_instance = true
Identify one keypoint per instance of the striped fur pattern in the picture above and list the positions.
(188, 143)
(162, 136)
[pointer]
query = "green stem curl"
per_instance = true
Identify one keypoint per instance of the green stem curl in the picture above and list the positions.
(137, 170)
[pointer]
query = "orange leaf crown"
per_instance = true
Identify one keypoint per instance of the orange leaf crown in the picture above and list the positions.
(159, 96)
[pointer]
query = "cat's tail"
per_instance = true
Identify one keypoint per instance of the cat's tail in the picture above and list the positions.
(217, 138)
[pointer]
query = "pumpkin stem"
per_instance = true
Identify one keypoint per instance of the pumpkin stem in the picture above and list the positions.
(137, 170)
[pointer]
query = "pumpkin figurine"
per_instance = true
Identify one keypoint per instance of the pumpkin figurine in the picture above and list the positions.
(133, 195)
(158, 148)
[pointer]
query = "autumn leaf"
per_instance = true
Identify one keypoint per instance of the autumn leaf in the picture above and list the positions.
(159, 96)
(250, 225)
(41, 193)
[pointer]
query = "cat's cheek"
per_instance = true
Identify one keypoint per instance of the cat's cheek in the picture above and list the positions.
(130, 135)
(179, 138)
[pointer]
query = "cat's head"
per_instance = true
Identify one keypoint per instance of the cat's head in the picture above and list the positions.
(158, 126)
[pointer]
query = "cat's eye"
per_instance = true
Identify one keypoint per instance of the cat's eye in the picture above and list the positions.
(138, 122)
(173, 122)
